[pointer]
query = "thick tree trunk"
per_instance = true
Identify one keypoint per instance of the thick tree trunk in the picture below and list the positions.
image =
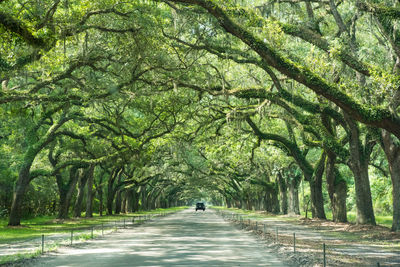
(271, 199)
(19, 192)
(392, 151)
(359, 160)
(111, 190)
(110, 200)
(81, 193)
(282, 194)
(337, 190)
(135, 201)
(118, 202)
(143, 196)
(101, 204)
(228, 203)
(23, 180)
(317, 199)
(365, 212)
(89, 195)
(395, 175)
(66, 191)
(294, 207)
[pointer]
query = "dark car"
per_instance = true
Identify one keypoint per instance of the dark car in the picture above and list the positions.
(200, 206)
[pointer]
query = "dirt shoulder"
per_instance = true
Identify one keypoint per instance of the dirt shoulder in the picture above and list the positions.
(345, 244)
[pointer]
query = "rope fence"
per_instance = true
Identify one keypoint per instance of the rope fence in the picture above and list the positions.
(277, 235)
(68, 237)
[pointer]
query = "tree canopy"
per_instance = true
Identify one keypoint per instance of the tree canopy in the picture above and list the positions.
(150, 104)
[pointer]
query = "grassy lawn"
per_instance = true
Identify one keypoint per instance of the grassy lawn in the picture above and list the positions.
(35, 227)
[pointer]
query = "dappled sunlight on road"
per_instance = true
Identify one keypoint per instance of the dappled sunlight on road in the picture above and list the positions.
(186, 239)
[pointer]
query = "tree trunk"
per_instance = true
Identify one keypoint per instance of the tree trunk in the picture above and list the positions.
(20, 188)
(129, 201)
(111, 190)
(392, 152)
(90, 195)
(118, 202)
(283, 194)
(81, 191)
(358, 163)
(317, 199)
(337, 190)
(271, 199)
(101, 204)
(143, 197)
(135, 201)
(66, 191)
(294, 207)
(23, 180)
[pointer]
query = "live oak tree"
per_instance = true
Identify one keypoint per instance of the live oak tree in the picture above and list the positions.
(118, 88)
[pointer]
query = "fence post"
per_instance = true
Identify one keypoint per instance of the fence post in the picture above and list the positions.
(42, 243)
(324, 255)
(276, 235)
(256, 226)
(124, 223)
(72, 236)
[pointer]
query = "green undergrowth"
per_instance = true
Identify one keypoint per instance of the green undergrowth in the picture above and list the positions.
(47, 225)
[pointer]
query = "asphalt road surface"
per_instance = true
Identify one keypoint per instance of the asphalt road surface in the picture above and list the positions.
(187, 238)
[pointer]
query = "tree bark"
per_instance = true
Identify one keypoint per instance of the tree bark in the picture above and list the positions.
(294, 207)
(118, 202)
(337, 190)
(317, 199)
(90, 194)
(81, 193)
(66, 191)
(100, 195)
(392, 151)
(358, 163)
(111, 190)
(23, 180)
(20, 188)
(283, 194)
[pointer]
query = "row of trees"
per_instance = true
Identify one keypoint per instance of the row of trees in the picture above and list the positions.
(152, 102)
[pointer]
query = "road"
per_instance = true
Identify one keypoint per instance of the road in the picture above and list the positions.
(186, 238)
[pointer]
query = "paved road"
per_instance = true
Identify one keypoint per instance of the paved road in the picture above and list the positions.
(187, 238)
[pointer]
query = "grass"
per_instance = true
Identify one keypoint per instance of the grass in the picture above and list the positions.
(35, 227)
(19, 256)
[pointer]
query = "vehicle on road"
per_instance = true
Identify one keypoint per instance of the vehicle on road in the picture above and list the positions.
(200, 206)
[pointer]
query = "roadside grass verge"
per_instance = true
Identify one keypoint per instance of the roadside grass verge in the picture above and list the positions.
(35, 227)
